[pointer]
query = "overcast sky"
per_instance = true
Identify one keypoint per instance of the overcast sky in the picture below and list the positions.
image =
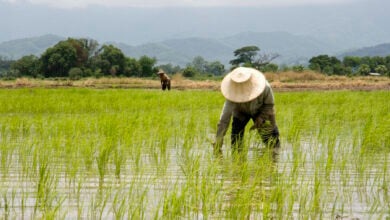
(175, 3)
(158, 20)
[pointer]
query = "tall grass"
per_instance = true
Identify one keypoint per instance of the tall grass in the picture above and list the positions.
(86, 153)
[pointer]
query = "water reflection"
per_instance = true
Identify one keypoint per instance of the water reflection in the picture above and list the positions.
(239, 184)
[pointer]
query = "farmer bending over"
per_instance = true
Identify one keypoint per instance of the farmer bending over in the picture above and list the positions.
(165, 80)
(248, 96)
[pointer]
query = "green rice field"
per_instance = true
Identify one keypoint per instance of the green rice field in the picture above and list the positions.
(147, 154)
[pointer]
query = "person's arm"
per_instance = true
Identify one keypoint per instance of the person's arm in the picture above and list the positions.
(267, 110)
(223, 123)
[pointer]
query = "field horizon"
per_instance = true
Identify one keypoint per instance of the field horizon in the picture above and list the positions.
(281, 81)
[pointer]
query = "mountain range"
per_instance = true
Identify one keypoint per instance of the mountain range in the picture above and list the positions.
(381, 50)
(177, 34)
(15, 49)
(293, 49)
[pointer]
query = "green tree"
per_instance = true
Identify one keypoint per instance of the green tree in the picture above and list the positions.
(298, 68)
(352, 62)
(169, 68)
(272, 67)
(387, 58)
(132, 67)
(325, 64)
(245, 55)
(27, 66)
(364, 69)
(319, 62)
(189, 71)
(346, 70)
(382, 69)
(81, 51)
(100, 65)
(147, 66)
(369, 61)
(57, 60)
(248, 56)
(388, 64)
(75, 73)
(215, 68)
(5, 64)
(199, 64)
(338, 69)
(315, 66)
(111, 60)
(377, 60)
(91, 46)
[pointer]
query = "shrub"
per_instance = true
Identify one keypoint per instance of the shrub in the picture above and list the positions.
(75, 73)
(98, 73)
(382, 69)
(10, 75)
(272, 67)
(298, 68)
(88, 73)
(364, 70)
(189, 71)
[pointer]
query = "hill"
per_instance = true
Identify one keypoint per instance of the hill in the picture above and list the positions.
(293, 49)
(381, 50)
(15, 49)
(180, 51)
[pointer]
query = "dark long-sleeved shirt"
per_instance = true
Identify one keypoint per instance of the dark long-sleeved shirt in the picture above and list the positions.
(262, 106)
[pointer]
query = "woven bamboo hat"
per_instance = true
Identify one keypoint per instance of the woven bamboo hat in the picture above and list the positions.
(243, 84)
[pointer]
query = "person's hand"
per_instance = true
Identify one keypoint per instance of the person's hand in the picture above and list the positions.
(257, 123)
(217, 149)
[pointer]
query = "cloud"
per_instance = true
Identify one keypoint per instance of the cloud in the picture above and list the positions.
(174, 3)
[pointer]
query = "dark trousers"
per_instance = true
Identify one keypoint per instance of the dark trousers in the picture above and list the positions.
(268, 133)
(166, 84)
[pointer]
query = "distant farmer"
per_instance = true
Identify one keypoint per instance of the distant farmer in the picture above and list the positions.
(165, 80)
(248, 96)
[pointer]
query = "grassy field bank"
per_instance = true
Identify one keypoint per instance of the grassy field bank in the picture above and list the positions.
(88, 153)
(283, 81)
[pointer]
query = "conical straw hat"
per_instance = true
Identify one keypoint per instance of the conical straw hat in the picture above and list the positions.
(243, 84)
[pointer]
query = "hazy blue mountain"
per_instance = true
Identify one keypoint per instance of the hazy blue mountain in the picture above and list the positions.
(15, 49)
(293, 49)
(180, 51)
(162, 52)
(381, 50)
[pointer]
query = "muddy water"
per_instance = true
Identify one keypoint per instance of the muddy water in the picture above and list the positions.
(351, 185)
(321, 184)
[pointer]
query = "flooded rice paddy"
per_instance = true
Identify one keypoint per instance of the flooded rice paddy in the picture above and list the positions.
(142, 154)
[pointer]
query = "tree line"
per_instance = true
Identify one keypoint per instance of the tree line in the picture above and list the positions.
(351, 65)
(77, 58)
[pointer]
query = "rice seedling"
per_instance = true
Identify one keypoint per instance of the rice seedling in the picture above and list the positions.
(86, 153)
